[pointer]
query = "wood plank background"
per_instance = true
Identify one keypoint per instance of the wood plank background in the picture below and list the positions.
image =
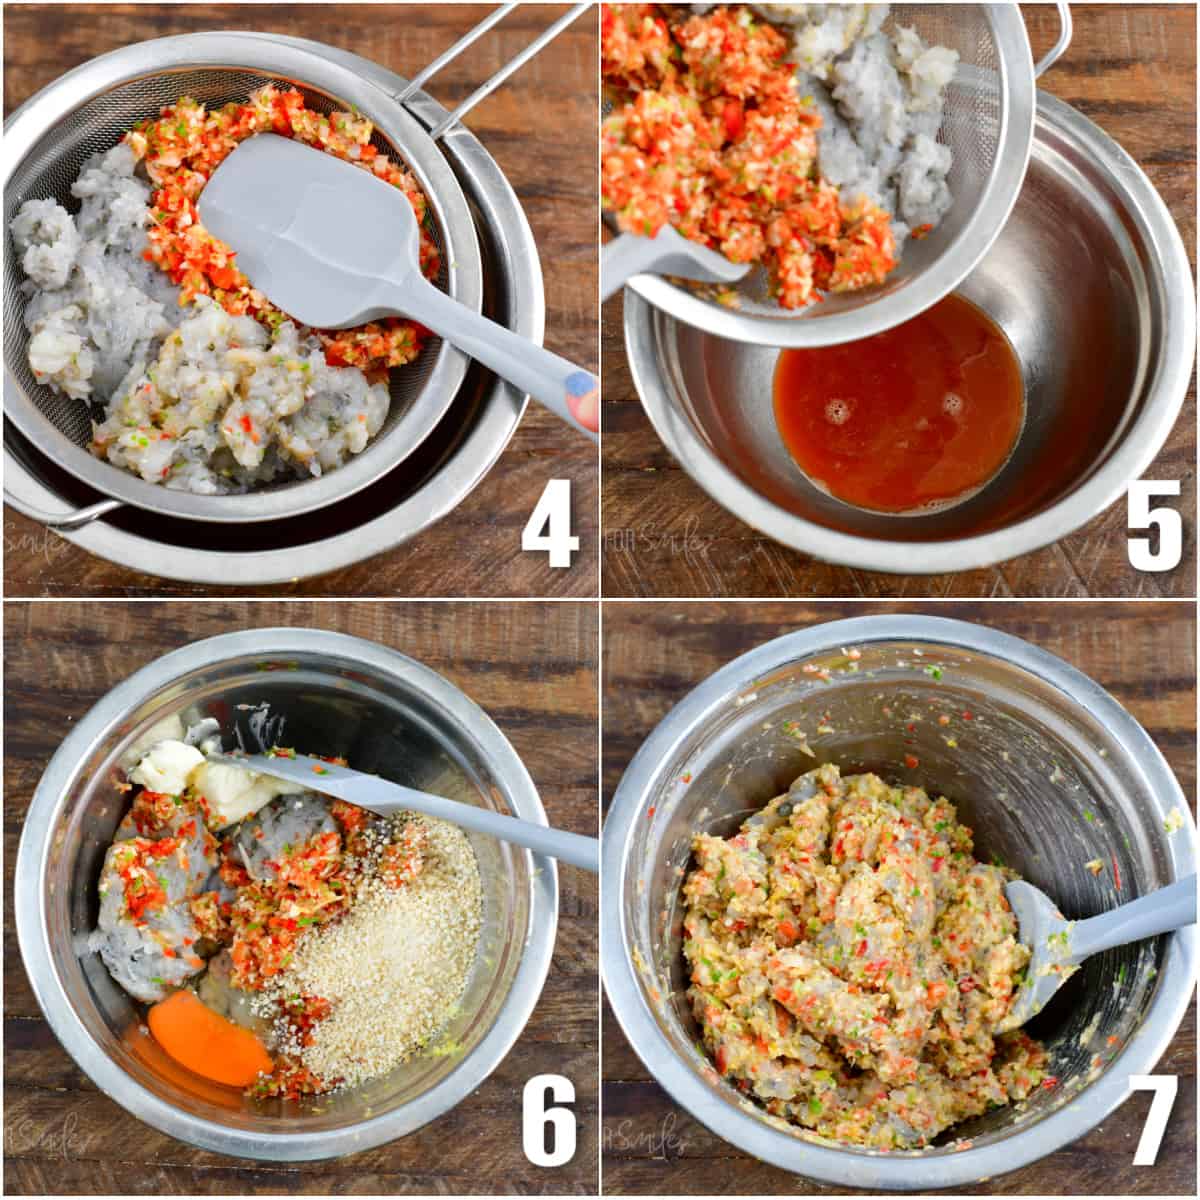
(533, 668)
(1132, 70)
(653, 654)
(540, 127)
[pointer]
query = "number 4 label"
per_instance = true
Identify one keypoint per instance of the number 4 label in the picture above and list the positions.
(537, 1115)
(1165, 1089)
(549, 525)
(1166, 520)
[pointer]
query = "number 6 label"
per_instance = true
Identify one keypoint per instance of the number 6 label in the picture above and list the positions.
(538, 1115)
(1166, 520)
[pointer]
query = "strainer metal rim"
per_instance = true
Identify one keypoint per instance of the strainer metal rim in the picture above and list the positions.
(237, 49)
(36, 843)
(881, 1171)
(1017, 91)
(1167, 384)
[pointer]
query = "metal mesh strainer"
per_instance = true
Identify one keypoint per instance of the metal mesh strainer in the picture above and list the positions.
(988, 124)
(87, 110)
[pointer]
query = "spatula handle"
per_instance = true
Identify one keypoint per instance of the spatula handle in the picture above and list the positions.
(385, 797)
(566, 390)
(624, 257)
(1159, 911)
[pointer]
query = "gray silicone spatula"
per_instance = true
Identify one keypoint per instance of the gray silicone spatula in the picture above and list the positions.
(384, 797)
(667, 253)
(336, 247)
(1059, 945)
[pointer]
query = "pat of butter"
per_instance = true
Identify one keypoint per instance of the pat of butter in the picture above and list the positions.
(166, 766)
(233, 793)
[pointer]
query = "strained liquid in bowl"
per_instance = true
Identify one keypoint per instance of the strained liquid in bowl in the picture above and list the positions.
(908, 421)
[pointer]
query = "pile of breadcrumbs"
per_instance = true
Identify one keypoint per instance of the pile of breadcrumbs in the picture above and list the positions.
(393, 969)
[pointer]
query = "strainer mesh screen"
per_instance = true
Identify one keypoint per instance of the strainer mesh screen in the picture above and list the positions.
(54, 163)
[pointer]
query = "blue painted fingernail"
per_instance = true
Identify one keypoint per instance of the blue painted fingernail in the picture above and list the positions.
(580, 384)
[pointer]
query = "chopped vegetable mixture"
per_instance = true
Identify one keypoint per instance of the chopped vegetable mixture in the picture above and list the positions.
(850, 960)
(713, 139)
(185, 145)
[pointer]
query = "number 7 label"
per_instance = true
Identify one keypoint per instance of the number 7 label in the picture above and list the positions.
(1165, 1089)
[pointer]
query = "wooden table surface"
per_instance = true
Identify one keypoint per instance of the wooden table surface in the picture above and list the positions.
(1132, 70)
(534, 670)
(1143, 653)
(540, 127)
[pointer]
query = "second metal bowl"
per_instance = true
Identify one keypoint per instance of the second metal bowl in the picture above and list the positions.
(1092, 285)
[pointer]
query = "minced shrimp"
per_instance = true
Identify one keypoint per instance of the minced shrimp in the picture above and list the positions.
(850, 962)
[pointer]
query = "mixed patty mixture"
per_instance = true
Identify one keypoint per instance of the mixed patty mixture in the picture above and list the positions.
(289, 944)
(805, 141)
(196, 380)
(850, 961)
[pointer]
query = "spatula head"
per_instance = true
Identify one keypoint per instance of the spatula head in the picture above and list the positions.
(1047, 933)
(324, 240)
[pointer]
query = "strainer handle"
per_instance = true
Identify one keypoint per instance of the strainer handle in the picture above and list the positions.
(511, 67)
(1066, 28)
(75, 518)
(419, 80)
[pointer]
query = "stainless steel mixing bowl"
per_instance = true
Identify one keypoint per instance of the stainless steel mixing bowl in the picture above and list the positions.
(1043, 746)
(1092, 285)
(332, 694)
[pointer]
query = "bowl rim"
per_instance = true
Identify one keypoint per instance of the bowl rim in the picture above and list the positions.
(47, 802)
(850, 1168)
(1170, 373)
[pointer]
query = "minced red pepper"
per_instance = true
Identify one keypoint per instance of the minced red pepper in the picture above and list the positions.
(714, 140)
(187, 142)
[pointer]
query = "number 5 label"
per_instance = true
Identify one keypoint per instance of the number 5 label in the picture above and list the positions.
(552, 514)
(537, 1115)
(1166, 520)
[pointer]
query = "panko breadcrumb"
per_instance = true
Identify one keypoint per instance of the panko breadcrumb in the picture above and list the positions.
(392, 970)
